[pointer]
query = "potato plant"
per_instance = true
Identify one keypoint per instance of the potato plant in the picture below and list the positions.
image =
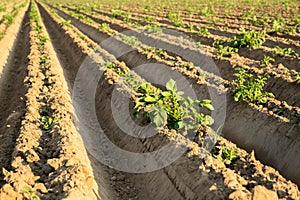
(249, 88)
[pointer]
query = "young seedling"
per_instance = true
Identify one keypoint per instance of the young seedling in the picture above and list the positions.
(226, 51)
(267, 61)
(29, 193)
(66, 23)
(297, 78)
(227, 156)
(116, 13)
(152, 28)
(48, 122)
(104, 27)
(284, 52)
(202, 31)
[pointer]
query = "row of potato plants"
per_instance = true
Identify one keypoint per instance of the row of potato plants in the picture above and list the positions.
(225, 47)
(8, 18)
(167, 109)
(246, 87)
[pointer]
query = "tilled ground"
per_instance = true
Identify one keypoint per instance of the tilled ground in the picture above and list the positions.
(52, 161)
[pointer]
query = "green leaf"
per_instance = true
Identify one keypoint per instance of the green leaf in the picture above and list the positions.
(158, 115)
(208, 120)
(208, 106)
(171, 85)
(180, 93)
(238, 97)
(150, 99)
(165, 93)
(176, 126)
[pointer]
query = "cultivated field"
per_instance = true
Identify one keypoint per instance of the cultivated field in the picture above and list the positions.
(92, 104)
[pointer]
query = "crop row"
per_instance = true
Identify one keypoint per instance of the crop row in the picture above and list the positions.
(118, 73)
(163, 57)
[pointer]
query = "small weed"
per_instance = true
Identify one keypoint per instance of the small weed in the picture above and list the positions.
(2, 35)
(131, 40)
(127, 18)
(226, 51)
(258, 21)
(190, 27)
(249, 14)
(2, 9)
(43, 60)
(148, 19)
(172, 15)
(178, 23)
(277, 25)
(223, 49)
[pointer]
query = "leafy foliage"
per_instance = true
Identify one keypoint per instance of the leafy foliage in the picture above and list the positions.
(226, 51)
(227, 156)
(267, 61)
(170, 108)
(249, 88)
(48, 122)
(66, 23)
(277, 25)
(8, 19)
(297, 78)
(152, 28)
(248, 39)
(202, 31)
(284, 52)
(116, 13)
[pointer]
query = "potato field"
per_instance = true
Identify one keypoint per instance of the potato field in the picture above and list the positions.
(150, 100)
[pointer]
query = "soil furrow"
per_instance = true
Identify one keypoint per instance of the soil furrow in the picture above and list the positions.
(12, 94)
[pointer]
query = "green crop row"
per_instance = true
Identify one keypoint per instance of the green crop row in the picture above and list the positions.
(47, 120)
(8, 18)
(165, 108)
